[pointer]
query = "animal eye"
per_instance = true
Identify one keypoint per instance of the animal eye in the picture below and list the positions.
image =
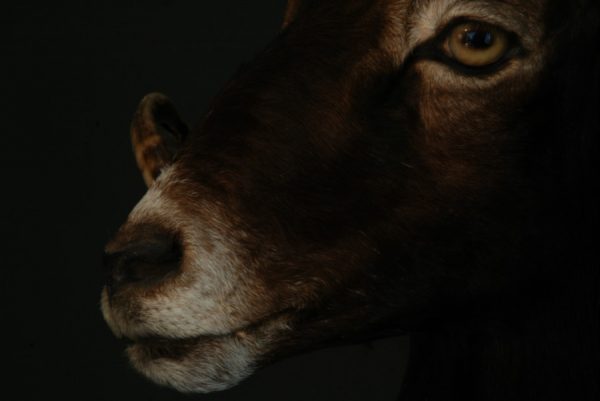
(476, 44)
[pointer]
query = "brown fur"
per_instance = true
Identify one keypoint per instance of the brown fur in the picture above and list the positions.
(370, 186)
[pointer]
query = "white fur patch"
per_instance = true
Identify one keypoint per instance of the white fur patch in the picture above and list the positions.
(426, 20)
(212, 364)
(430, 17)
(154, 206)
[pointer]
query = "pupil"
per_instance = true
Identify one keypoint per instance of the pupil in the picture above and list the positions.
(478, 39)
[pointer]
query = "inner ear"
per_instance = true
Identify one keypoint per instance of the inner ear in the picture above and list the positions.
(157, 134)
(290, 12)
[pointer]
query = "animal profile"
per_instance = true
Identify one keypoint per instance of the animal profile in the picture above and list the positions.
(428, 167)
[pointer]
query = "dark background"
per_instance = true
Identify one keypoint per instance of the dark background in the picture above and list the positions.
(72, 75)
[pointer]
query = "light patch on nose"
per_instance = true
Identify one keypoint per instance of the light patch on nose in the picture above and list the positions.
(155, 205)
(214, 292)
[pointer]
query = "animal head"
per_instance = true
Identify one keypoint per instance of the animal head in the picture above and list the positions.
(380, 166)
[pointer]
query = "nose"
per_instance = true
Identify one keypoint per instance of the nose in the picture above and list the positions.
(143, 255)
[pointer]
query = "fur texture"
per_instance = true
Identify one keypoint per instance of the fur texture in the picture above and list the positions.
(356, 179)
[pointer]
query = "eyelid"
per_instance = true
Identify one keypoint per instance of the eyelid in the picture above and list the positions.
(433, 49)
(444, 31)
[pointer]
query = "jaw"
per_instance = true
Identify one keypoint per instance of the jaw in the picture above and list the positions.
(213, 362)
(206, 361)
(205, 364)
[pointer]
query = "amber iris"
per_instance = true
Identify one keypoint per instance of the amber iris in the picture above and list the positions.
(477, 44)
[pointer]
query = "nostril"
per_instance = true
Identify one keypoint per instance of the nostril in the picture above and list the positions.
(147, 259)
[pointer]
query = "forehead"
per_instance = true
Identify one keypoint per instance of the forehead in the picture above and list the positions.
(524, 4)
(515, 6)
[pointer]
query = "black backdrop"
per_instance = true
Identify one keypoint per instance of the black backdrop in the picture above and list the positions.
(72, 75)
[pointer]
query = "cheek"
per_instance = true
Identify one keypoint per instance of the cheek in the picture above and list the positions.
(466, 107)
(464, 137)
(466, 119)
(449, 113)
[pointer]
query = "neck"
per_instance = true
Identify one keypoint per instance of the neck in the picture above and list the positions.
(547, 350)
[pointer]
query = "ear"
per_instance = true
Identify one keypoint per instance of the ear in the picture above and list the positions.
(157, 134)
(290, 12)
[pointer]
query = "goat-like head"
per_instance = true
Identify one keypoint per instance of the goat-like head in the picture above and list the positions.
(375, 168)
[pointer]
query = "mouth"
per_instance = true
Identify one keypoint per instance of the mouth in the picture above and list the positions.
(154, 347)
(173, 348)
(207, 363)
